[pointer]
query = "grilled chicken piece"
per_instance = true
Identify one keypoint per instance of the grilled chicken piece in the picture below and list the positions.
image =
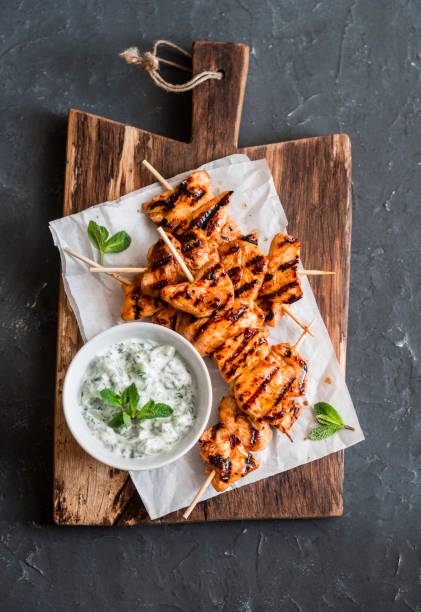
(171, 208)
(183, 320)
(273, 311)
(195, 248)
(224, 453)
(136, 305)
(230, 231)
(211, 217)
(163, 268)
(286, 355)
(241, 352)
(254, 436)
(281, 283)
(246, 266)
(209, 333)
(287, 417)
(167, 316)
(281, 375)
(252, 238)
(211, 291)
(197, 234)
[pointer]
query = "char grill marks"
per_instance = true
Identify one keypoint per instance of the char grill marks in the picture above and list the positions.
(227, 446)
(209, 333)
(230, 231)
(171, 208)
(136, 305)
(281, 282)
(210, 292)
(195, 248)
(224, 453)
(273, 311)
(163, 268)
(262, 393)
(198, 233)
(254, 436)
(246, 266)
(241, 352)
(286, 416)
(212, 216)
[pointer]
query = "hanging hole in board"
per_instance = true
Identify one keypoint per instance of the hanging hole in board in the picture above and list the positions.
(222, 72)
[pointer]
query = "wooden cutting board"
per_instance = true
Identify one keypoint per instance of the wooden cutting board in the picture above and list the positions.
(313, 178)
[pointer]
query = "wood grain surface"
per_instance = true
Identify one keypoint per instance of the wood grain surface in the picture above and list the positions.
(313, 178)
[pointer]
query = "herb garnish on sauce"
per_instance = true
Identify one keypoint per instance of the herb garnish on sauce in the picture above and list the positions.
(130, 397)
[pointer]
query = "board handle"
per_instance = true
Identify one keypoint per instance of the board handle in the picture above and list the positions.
(217, 104)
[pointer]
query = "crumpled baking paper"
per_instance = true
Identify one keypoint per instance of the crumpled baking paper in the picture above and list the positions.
(96, 300)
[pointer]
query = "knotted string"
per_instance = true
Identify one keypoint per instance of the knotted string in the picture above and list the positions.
(149, 61)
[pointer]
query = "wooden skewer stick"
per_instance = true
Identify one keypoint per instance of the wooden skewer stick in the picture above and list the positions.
(315, 272)
(158, 176)
(124, 270)
(92, 263)
(289, 312)
(176, 254)
(303, 335)
(129, 270)
(199, 495)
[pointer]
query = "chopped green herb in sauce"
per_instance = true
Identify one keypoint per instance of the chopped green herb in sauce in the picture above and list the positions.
(155, 371)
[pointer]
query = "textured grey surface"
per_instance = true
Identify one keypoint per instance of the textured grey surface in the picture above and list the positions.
(316, 68)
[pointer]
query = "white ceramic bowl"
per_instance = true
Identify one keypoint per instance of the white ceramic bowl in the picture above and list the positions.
(77, 370)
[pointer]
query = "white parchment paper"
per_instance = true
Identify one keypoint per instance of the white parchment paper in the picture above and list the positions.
(97, 300)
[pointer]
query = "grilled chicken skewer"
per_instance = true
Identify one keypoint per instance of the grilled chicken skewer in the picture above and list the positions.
(227, 462)
(134, 270)
(226, 448)
(193, 195)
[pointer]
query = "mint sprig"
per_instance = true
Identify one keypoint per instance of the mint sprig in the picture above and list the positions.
(98, 235)
(130, 397)
(330, 422)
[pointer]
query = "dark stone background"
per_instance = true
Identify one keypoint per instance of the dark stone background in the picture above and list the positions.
(316, 68)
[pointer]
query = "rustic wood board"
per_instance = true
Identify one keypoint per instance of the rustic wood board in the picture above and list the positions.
(313, 178)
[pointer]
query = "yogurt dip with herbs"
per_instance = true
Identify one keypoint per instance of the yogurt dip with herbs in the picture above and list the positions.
(160, 375)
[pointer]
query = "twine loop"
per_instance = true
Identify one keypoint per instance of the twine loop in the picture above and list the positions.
(149, 61)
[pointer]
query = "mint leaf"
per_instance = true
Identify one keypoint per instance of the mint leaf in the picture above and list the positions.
(117, 420)
(98, 235)
(320, 433)
(163, 410)
(112, 398)
(154, 411)
(325, 420)
(323, 409)
(131, 396)
(147, 411)
(117, 243)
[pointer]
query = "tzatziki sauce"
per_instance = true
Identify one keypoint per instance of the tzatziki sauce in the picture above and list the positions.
(159, 373)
